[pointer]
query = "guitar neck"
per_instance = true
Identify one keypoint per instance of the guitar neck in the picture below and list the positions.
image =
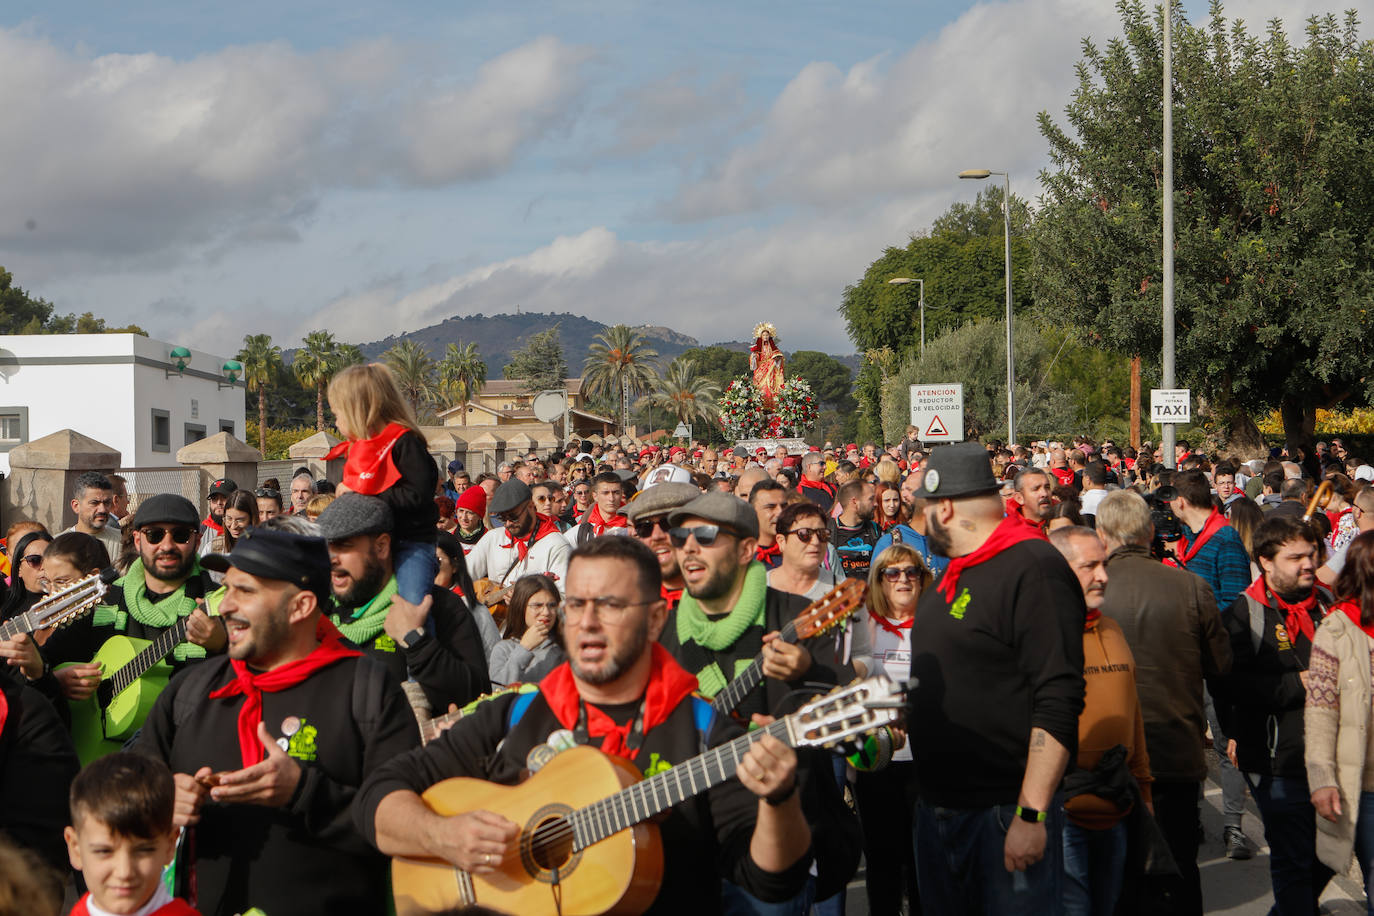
(656, 794)
(433, 728)
(734, 692)
(16, 626)
(166, 641)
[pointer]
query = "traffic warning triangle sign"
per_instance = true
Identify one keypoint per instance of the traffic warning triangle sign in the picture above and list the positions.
(936, 428)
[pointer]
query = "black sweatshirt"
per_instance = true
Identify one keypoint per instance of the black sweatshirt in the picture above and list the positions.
(704, 838)
(450, 666)
(37, 766)
(1005, 657)
(412, 497)
(306, 857)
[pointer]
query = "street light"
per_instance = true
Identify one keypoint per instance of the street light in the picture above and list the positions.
(903, 281)
(980, 174)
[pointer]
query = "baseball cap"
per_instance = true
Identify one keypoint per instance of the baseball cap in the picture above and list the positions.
(222, 487)
(272, 554)
(667, 473)
(960, 469)
(455, 465)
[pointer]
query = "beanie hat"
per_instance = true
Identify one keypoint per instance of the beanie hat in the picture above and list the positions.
(474, 499)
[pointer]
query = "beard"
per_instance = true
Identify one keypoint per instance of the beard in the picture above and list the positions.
(623, 659)
(365, 587)
(717, 585)
(937, 536)
(176, 574)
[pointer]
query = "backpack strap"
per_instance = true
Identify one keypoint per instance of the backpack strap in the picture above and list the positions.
(369, 681)
(1256, 623)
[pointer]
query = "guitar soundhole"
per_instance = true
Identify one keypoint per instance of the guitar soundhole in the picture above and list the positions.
(547, 844)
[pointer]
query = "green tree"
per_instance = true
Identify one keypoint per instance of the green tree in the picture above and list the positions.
(620, 358)
(315, 364)
(461, 375)
(1274, 212)
(21, 313)
(261, 361)
(416, 374)
(829, 378)
(963, 263)
(975, 356)
(540, 363)
(718, 364)
(685, 394)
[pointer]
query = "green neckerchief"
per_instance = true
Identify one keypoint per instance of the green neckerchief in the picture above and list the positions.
(718, 635)
(165, 612)
(367, 621)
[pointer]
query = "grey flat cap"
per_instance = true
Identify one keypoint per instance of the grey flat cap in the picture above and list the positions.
(509, 496)
(724, 509)
(353, 514)
(660, 498)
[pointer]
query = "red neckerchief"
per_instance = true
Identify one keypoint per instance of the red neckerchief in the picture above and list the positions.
(1297, 617)
(1011, 531)
(523, 545)
(669, 684)
(1335, 519)
(1351, 607)
(329, 651)
(4, 711)
(369, 468)
(177, 907)
(1063, 475)
(1094, 615)
(1215, 522)
(600, 524)
(1018, 511)
(895, 627)
(764, 554)
(670, 595)
(213, 525)
(821, 485)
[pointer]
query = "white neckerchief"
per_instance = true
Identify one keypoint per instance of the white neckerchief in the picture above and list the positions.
(159, 899)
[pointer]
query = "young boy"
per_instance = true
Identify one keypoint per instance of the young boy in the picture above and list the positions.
(122, 835)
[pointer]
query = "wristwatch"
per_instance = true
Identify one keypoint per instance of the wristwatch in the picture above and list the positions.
(412, 639)
(1030, 815)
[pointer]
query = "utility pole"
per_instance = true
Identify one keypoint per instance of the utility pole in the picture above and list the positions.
(1167, 358)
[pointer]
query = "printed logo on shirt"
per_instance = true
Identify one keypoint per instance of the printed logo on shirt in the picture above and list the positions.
(960, 605)
(384, 643)
(656, 765)
(302, 744)
(1281, 637)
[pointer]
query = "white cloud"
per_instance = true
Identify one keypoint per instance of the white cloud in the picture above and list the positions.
(138, 155)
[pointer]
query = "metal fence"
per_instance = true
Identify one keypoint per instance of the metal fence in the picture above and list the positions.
(190, 482)
(282, 470)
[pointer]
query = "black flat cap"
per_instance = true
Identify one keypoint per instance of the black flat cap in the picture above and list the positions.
(961, 469)
(723, 509)
(353, 514)
(165, 509)
(509, 496)
(271, 554)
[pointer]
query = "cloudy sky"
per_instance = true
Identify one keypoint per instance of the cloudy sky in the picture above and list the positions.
(212, 170)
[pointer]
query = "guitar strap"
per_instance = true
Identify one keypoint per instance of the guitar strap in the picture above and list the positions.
(633, 741)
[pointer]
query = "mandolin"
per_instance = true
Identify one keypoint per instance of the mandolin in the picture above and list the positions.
(825, 613)
(586, 845)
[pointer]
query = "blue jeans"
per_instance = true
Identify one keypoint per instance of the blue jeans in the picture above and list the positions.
(1290, 827)
(1364, 846)
(416, 566)
(1094, 866)
(959, 863)
(736, 901)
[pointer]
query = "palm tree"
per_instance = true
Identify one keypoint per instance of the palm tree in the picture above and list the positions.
(685, 394)
(461, 375)
(314, 365)
(620, 358)
(261, 361)
(414, 370)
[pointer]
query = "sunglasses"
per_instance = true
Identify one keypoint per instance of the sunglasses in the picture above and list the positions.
(806, 534)
(645, 529)
(705, 534)
(910, 573)
(34, 560)
(155, 534)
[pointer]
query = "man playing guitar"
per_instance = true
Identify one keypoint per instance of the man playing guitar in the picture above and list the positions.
(528, 544)
(621, 692)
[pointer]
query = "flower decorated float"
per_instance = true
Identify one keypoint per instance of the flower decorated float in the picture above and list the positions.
(764, 408)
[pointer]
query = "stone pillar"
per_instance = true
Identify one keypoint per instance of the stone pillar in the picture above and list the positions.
(43, 474)
(484, 454)
(221, 455)
(312, 450)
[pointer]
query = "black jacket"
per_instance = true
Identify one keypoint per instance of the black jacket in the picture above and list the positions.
(412, 497)
(307, 857)
(1262, 699)
(37, 766)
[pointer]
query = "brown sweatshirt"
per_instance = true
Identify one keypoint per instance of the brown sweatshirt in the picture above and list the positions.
(1111, 716)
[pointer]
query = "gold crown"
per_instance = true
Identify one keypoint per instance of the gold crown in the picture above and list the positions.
(765, 326)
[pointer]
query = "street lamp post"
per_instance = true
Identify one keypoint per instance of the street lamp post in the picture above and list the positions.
(903, 281)
(980, 174)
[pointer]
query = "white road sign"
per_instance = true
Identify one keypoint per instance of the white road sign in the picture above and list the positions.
(1170, 405)
(937, 412)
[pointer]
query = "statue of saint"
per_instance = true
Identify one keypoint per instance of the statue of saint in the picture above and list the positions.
(765, 362)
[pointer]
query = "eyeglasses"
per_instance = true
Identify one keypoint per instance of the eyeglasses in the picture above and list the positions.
(646, 528)
(51, 586)
(806, 534)
(910, 573)
(155, 534)
(705, 534)
(34, 560)
(265, 493)
(609, 609)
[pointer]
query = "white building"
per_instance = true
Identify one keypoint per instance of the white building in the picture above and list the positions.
(123, 390)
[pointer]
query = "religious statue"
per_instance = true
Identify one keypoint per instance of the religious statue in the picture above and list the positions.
(765, 362)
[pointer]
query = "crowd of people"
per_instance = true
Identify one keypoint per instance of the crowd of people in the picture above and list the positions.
(1075, 623)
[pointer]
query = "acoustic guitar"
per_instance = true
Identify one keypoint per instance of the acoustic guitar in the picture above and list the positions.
(585, 844)
(823, 614)
(494, 597)
(60, 608)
